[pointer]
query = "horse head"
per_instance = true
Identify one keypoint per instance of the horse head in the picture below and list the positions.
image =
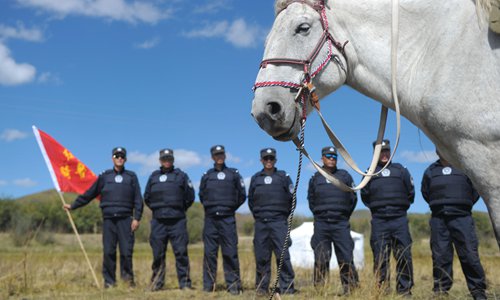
(301, 59)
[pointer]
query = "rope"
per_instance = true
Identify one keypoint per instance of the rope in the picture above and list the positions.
(294, 196)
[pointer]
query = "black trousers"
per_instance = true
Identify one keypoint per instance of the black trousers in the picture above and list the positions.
(220, 232)
(175, 231)
(338, 233)
(458, 231)
(270, 237)
(392, 235)
(117, 231)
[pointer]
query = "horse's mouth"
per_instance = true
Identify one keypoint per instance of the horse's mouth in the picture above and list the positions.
(292, 131)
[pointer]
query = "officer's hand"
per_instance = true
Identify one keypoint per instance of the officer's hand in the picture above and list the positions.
(135, 225)
(67, 207)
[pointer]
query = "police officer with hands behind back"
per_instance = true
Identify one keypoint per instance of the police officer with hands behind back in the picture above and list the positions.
(270, 201)
(450, 195)
(169, 193)
(332, 209)
(388, 196)
(222, 192)
(121, 205)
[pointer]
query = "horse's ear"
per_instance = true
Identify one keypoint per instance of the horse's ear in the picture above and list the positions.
(495, 18)
(279, 5)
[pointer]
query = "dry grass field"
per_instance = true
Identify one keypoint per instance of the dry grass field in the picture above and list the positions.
(59, 271)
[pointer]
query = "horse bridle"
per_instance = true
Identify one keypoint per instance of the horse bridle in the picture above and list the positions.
(306, 91)
(306, 88)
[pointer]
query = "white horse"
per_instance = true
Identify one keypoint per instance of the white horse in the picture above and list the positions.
(448, 73)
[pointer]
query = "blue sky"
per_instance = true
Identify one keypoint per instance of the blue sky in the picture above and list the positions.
(146, 75)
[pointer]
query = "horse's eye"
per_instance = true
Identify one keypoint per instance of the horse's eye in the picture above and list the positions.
(302, 28)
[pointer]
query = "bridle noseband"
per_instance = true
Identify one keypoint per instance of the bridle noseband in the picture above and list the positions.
(306, 88)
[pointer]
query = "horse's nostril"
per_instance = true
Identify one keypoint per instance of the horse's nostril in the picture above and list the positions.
(273, 107)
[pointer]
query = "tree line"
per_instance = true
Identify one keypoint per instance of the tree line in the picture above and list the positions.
(42, 213)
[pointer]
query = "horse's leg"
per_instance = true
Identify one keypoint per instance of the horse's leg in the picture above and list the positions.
(493, 205)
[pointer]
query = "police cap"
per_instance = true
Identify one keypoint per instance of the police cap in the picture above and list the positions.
(166, 153)
(328, 150)
(268, 152)
(121, 150)
(217, 149)
(385, 145)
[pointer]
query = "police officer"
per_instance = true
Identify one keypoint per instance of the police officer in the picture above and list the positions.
(388, 196)
(169, 193)
(332, 209)
(270, 201)
(121, 205)
(450, 195)
(222, 192)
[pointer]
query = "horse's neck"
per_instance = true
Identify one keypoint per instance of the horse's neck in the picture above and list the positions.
(439, 45)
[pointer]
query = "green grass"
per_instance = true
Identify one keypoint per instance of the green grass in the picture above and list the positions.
(59, 271)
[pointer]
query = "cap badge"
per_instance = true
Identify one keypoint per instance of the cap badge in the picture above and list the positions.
(218, 148)
(269, 151)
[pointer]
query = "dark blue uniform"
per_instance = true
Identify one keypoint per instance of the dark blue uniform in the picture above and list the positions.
(332, 209)
(169, 193)
(270, 201)
(221, 193)
(121, 201)
(388, 196)
(450, 195)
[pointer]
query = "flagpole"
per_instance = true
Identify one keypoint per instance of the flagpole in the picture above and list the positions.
(58, 189)
(79, 240)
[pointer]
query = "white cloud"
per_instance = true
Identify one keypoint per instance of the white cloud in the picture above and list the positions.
(20, 33)
(237, 33)
(211, 7)
(184, 159)
(47, 77)
(148, 44)
(3, 182)
(232, 158)
(119, 10)
(10, 135)
(25, 182)
(11, 72)
(419, 156)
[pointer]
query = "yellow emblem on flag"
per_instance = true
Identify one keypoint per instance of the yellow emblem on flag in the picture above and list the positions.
(68, 154)
(65, 171)
(81, 170)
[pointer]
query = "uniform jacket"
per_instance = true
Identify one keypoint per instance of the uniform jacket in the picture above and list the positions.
(390, 193)
(326, 201)
(169, 193)
(448, 190)
(222, 192)
(120, 194)
(270, 196)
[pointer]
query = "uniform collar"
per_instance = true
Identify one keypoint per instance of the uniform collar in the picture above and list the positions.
(263, 171)
(328, 169)
(118, 172)
(167, 170)
(222, 169)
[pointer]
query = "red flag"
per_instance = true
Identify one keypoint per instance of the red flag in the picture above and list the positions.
(68, 173)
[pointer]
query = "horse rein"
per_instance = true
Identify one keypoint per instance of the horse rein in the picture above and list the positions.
(306, 92)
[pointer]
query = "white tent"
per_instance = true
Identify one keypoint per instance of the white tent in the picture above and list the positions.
(302, 254)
